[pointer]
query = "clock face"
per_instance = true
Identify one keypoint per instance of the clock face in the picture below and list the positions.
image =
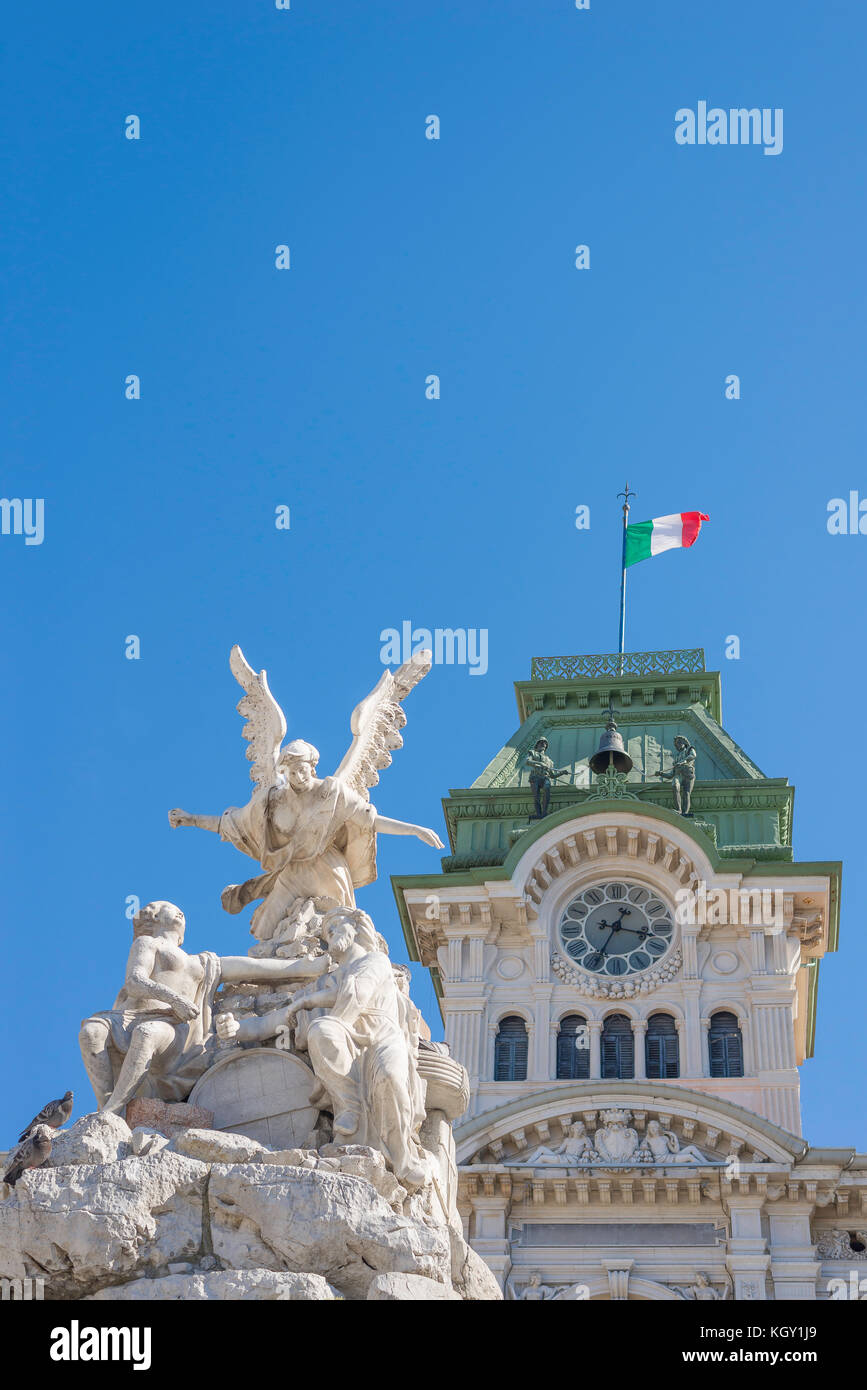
(616, 928)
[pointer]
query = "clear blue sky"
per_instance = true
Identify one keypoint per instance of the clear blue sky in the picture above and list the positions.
(306, 388)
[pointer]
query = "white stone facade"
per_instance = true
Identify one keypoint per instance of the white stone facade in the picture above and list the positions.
(752, 1221)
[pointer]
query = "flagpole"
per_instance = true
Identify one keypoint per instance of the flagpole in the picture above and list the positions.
(622, 648)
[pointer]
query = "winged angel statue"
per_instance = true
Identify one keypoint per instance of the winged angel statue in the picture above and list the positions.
(315, 839)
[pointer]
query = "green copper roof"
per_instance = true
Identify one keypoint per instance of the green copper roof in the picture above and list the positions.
(656, 697)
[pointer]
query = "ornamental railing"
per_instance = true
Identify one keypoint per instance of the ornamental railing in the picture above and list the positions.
(613, 664)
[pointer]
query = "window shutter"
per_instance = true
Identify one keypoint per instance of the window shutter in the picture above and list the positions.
(627, 1057)
(717, 1046)
(511, 1050)
(610, 1059)
(735, 1054)
(618, 1049)
(662, 1048)
(725, 1045)
(573, 1063)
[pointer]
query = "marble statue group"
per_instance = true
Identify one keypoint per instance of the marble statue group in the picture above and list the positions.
(344, 1008)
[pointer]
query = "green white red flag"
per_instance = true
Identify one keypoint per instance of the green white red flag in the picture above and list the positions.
(648, 538)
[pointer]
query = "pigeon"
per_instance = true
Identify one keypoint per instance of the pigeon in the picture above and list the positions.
(54, 1114)
(35, 1150)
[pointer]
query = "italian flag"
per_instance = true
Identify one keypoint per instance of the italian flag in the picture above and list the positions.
(648, 538)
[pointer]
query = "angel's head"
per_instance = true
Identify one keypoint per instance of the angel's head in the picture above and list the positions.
(158, 919)
(297, 762)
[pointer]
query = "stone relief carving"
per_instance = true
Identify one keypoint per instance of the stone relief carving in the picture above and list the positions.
(534, 1291)
(663, 1146)
(614, 1142)
(314, 839)
(837, 1245)
(702, 1291)
(575, 1148)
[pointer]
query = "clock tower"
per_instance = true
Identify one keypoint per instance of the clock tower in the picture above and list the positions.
(627, 956)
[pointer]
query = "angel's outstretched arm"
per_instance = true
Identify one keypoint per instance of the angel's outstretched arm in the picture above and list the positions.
(178, 817)
(384, 826)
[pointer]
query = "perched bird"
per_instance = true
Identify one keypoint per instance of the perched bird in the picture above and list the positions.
(31, 1154)
(54, 1114)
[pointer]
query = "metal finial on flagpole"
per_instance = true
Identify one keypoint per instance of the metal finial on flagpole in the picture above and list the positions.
(626, 496)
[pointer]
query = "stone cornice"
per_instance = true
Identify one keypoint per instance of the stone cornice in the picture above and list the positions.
(819, 1191)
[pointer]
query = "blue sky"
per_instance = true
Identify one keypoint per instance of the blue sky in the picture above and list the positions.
(305, 388)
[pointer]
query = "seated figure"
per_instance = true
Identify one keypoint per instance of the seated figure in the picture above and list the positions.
(159, 1038)
(363, 1047)
(574, 1148)
(663, 1146)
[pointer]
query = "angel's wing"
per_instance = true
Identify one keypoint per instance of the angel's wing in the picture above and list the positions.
(376, 724)
(266, 724)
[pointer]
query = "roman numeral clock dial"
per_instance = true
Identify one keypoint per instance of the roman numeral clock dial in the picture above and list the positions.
(615, 929)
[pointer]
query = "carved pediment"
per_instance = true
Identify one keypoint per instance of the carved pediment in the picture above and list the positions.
(590, 1138)
(719, 1131)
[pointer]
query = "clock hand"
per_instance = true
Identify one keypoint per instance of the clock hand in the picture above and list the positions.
(601, 951)
(640, 932)
(604, 945)
(599, 954)
(624, 911)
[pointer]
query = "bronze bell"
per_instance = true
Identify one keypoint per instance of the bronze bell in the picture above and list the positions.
(610, 752)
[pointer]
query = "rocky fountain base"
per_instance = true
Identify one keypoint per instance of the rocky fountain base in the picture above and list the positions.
(131, 1214)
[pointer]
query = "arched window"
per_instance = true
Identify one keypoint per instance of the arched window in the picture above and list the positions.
(510, 1051)
(661, 1048)
(618, 1049)
(725, 1045)
(573, 1049)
